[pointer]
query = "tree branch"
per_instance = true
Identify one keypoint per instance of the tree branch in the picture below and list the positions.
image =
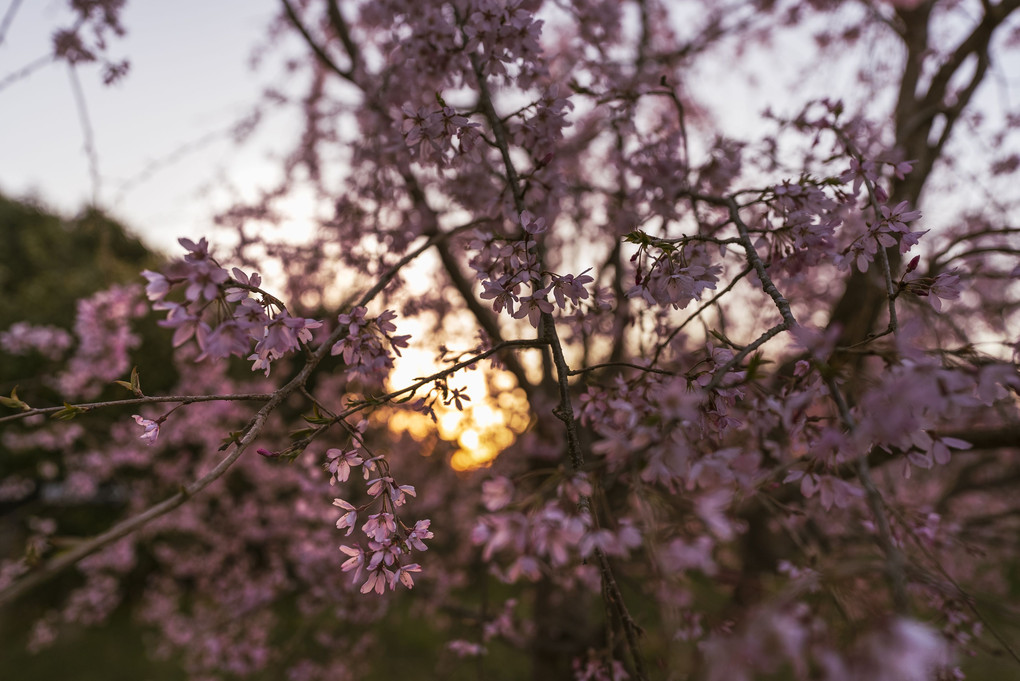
(320, 53)
(893, 556)
(157, 399)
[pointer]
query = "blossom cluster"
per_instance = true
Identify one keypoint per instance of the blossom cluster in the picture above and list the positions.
(547, 538)
(431, 134)
(387, 537)
(364, 347)
(105, 340)
(220, 313)
(505, 266)
(673, 276)
(807, 218)
(507, 34)
(888, 231)
(23, 338)
(541, 125)
(943, 286)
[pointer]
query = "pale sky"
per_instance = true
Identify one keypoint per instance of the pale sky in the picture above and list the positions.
(190, 77)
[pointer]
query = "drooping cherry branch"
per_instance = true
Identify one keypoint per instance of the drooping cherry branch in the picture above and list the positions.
(252, 430)
(547, 332)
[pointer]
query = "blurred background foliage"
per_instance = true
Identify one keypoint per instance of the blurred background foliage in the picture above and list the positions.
(47, 264)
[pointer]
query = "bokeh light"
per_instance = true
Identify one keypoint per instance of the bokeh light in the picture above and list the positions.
(497, 412)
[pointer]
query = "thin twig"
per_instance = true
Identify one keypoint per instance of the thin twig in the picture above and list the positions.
(26, 71)
(894, 562)
(603, 365)
(720, 373)
(200, 143)
(336, 19)
(320, 53)
(440, 374)
(5, 23)
(154, 399)
(711, 301)
(89, 141)
(631, 629)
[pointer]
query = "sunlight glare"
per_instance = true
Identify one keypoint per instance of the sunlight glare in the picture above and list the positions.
(496, 413)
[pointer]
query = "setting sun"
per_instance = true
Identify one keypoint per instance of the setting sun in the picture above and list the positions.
(489, 423)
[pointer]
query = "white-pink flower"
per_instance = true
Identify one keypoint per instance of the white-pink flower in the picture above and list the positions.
(497, 493)
(339, 463)
(531, 224)
(151, 429)
(403, 575)
(349, 518)
(356, 560)
(416, 537)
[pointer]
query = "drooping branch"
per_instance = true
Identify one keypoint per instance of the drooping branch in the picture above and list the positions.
(917, 109)
(26, 71)
(155, 399)
(8, 19)
(963, 595)
(88, 136)
(564, 410)
(754, 261)
(895, 564)
(336, 20)
(415, 191)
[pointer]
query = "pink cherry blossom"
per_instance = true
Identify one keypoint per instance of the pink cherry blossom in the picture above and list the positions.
(339, 463)
(350, 517)
(151, 429)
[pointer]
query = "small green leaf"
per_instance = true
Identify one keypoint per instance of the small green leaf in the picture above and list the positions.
(68, 412)
(718, 336)
(754, 363)
(14, 402)
(234, 437)
(303, 433)
(32, 555)
(316, 417)
(135, 386)
(292, 453)
(638, 237)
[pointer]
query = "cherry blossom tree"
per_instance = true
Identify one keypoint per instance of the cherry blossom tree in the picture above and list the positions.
(589, 387)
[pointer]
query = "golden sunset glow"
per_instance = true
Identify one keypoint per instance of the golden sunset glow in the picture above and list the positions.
(490, 422)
